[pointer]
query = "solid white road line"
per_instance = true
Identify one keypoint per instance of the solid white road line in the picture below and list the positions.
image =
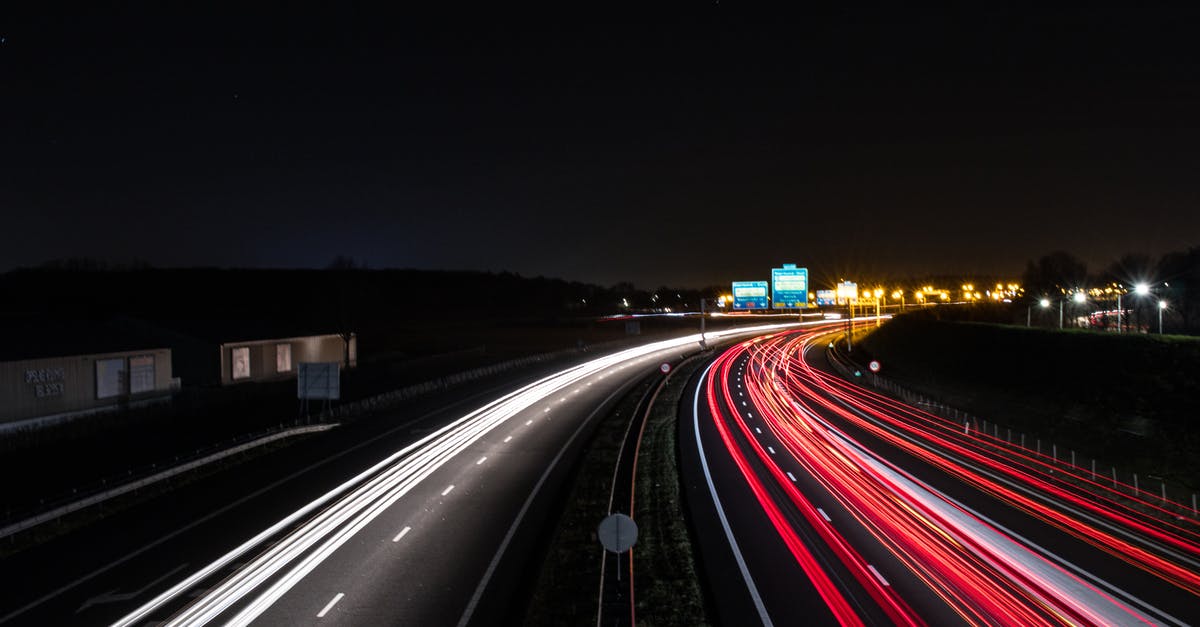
(402, 533)
(329, 606)
(733, 545)
(512, 530)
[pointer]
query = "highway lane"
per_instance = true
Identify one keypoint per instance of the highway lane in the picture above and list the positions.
(971, 539)
(98, 567)
(442, 531)
(439, 531)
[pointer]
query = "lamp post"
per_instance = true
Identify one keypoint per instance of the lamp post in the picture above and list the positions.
(1162, 304)
(1120, 311)
(1079, 299)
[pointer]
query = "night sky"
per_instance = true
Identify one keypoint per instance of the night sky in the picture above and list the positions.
(691, 151)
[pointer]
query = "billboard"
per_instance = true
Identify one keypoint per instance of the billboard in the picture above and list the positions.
(826, 298)
(750, 295)
(141, 374)
(111, 377)
(789, 287)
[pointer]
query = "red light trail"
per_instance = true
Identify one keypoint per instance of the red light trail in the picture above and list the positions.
(980, 571)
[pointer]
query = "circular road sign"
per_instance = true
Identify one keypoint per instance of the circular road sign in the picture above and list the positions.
(617, 533)
(665, 367)
(874, 365)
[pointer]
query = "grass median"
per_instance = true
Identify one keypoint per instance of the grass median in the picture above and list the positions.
(667, 588)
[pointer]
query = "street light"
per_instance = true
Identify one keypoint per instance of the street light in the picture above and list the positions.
(1078, 297)
(1120, 311)
(1162, 304)
(1044, 303)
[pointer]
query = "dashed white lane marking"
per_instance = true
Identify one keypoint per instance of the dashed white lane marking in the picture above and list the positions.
(329, 606)
(401, 534)
(878, 576)
(757, 430)
(546, 410)
(528, 422)
(481, 460)
(508, 438)
(743, 403)
(771, 449)
(791, 476)
(447, 490)
(563, 399)
(823, 514)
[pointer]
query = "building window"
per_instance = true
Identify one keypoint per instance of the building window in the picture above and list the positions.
(110, 377)
(283, 358)
(141, 374)
(239, 365)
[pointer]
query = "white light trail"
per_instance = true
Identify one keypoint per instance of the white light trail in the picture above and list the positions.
(370, 493)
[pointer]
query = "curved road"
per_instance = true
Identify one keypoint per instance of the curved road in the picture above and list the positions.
(820, 502)
(437, 520)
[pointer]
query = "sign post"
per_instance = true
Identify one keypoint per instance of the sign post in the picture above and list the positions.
(318, 380)
(618, 533)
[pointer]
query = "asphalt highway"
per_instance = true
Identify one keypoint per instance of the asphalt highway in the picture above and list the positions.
(436, 516)
(819, 502)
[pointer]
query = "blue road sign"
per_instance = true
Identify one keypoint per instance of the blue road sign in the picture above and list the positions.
(750, 295)
(789, 287)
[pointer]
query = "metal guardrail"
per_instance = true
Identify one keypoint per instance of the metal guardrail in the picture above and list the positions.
(394, 397)
(99, 492)
(163, 475)
(852, 371)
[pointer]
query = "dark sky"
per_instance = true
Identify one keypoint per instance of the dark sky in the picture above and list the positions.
(689, 151)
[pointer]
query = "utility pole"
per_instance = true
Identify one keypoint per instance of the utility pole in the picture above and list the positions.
(703, 315)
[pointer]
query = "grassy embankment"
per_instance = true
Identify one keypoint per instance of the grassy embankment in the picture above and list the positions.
(1130, 400)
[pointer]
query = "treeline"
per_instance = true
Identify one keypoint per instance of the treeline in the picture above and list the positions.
(1173, 278)
(343, 294)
